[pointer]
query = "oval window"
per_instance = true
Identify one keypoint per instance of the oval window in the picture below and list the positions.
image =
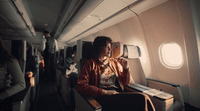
(170, 55)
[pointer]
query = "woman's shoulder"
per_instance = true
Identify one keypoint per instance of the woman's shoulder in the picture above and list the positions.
(12, 60)
(90, 61)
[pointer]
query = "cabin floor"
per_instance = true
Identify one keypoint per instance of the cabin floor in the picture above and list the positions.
(190, 108)
(48, 99)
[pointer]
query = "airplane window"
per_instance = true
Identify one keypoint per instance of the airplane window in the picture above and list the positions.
(170, 55)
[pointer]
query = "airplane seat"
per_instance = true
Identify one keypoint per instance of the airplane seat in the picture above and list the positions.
(65, 82)
(84, 103)
(17, 48)
(87, 103)
(32, 77)
(143, 84)
(86, 52)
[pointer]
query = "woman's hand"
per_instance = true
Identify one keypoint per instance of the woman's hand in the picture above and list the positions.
(124, 62)
(109, 92)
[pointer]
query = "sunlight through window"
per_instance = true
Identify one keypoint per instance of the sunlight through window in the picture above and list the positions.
(171, 55)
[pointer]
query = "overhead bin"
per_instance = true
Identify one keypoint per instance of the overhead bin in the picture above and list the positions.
(103, 16)
(14, 14)
(91, 13)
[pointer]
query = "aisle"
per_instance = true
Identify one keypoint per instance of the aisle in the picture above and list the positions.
(48, 99)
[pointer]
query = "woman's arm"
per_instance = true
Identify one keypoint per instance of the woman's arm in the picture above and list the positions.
(125, 72)
(17, 80)
(83, 85)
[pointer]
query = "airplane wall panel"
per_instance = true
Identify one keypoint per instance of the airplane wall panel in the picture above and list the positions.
(132, 33)
(38, 41)
(165, 23)
(192, 50)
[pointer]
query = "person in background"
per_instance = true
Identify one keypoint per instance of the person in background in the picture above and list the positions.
(49, 56)
(30, 61)
(61, 65)
(11, 78)
(31, 65)
(104, 79)
(72, 71)
(68, 66)
(41, 65)
(72, 74)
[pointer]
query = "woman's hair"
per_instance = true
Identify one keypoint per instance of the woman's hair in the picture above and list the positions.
(5, 55)
(98, 44)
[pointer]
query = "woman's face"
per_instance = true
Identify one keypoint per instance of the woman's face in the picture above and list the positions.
(106, 50)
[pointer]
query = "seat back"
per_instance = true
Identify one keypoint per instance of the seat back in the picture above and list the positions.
(132, 54)
(67, 51)
(17, 48)
(84, 52)
(65, 82)
(37, 66)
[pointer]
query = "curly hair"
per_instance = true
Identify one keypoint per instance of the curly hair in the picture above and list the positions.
(98, 44)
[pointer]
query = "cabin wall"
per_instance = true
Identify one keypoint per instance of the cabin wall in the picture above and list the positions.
(195, 77)
(170, 21)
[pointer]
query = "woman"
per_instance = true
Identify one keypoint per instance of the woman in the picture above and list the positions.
(10, 73)
(104, 78)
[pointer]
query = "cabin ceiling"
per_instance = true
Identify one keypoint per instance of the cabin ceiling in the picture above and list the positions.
(43, 13)
(64, 19)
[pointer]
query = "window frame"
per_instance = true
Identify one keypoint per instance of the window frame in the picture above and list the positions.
(163, 60)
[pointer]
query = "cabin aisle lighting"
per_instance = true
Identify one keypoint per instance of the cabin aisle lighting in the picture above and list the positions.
(170, 55)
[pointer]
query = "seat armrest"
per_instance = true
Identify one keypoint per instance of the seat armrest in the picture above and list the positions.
(20, 96)
(21, 101)
(86, 103)
(171, 88)
(174, 85)
(162, 101)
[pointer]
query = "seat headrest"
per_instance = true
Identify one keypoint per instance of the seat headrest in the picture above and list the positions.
(69, 52)
(131, 51)
(7, 44)
(62, 52)
(117, 50)
(126, 51)
(87, 50)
